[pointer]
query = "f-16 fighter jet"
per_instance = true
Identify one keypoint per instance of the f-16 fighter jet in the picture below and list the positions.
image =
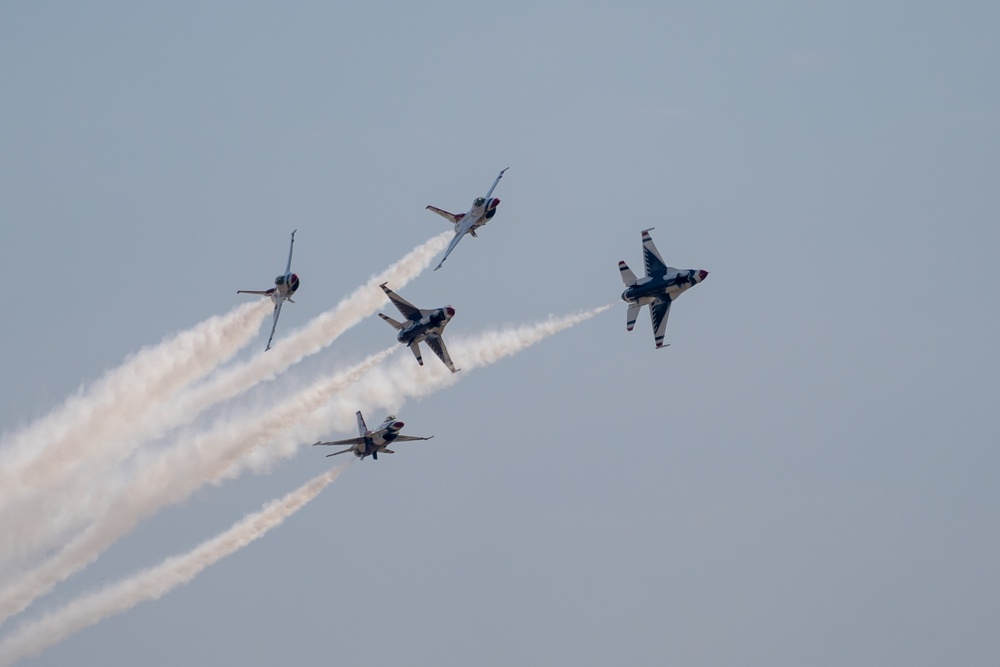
(482, 211)
(658, 289)
(284, 287)
(373, 443)
(421, 325)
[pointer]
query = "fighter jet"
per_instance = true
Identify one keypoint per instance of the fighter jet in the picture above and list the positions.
(658, 289)
(482, 211)
(284, 287)
(373, 443)
(421, 325)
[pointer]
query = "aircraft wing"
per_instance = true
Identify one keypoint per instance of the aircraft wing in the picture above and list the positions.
(291, 246)
(494, 186)
(345, 441)
(407, 309)
(659, 311)
(436, 343)
(459, 233)
(254, 291)
(277, 312)
(410, 438)
(655, 266)
(343, 451)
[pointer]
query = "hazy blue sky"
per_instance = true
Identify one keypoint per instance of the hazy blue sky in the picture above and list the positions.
(807, 475)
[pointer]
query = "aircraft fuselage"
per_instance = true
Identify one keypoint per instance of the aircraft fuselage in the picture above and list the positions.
(431, 324)
(662, 288)
(482, 211)
(377, 440)
(284, 287)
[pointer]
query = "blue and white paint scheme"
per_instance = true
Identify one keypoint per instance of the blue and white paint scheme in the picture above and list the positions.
(482, 211)
(420, 326)
(284, 287)
(661, 286)
(372, 443)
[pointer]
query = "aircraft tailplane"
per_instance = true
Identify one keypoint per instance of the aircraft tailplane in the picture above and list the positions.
(415, 348)
(633, 313)
(344, 451)
(627, 276)
(392, 322)
(451, 217)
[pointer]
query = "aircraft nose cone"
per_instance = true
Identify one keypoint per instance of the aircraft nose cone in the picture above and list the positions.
(702, 275)
(450, 311)
(398, 425)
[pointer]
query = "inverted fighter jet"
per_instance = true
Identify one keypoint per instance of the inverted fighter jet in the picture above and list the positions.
(482, 211)
(421, 325)
(658, 289)
(373, 443)
(284, 287)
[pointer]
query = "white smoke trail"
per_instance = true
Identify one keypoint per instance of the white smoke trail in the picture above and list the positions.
(316, 335)
(226, 450)
(63, 507)
(151, 584)
(39, 460)
(51, 443)
(387, 388)
(172, 477)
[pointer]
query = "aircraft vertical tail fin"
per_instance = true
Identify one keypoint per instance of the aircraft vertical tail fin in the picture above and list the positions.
(392, 322)
(362, 427)
(627, 276)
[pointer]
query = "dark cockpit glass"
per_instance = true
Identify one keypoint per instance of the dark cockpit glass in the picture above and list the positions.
(479, 201)
(280, 280)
